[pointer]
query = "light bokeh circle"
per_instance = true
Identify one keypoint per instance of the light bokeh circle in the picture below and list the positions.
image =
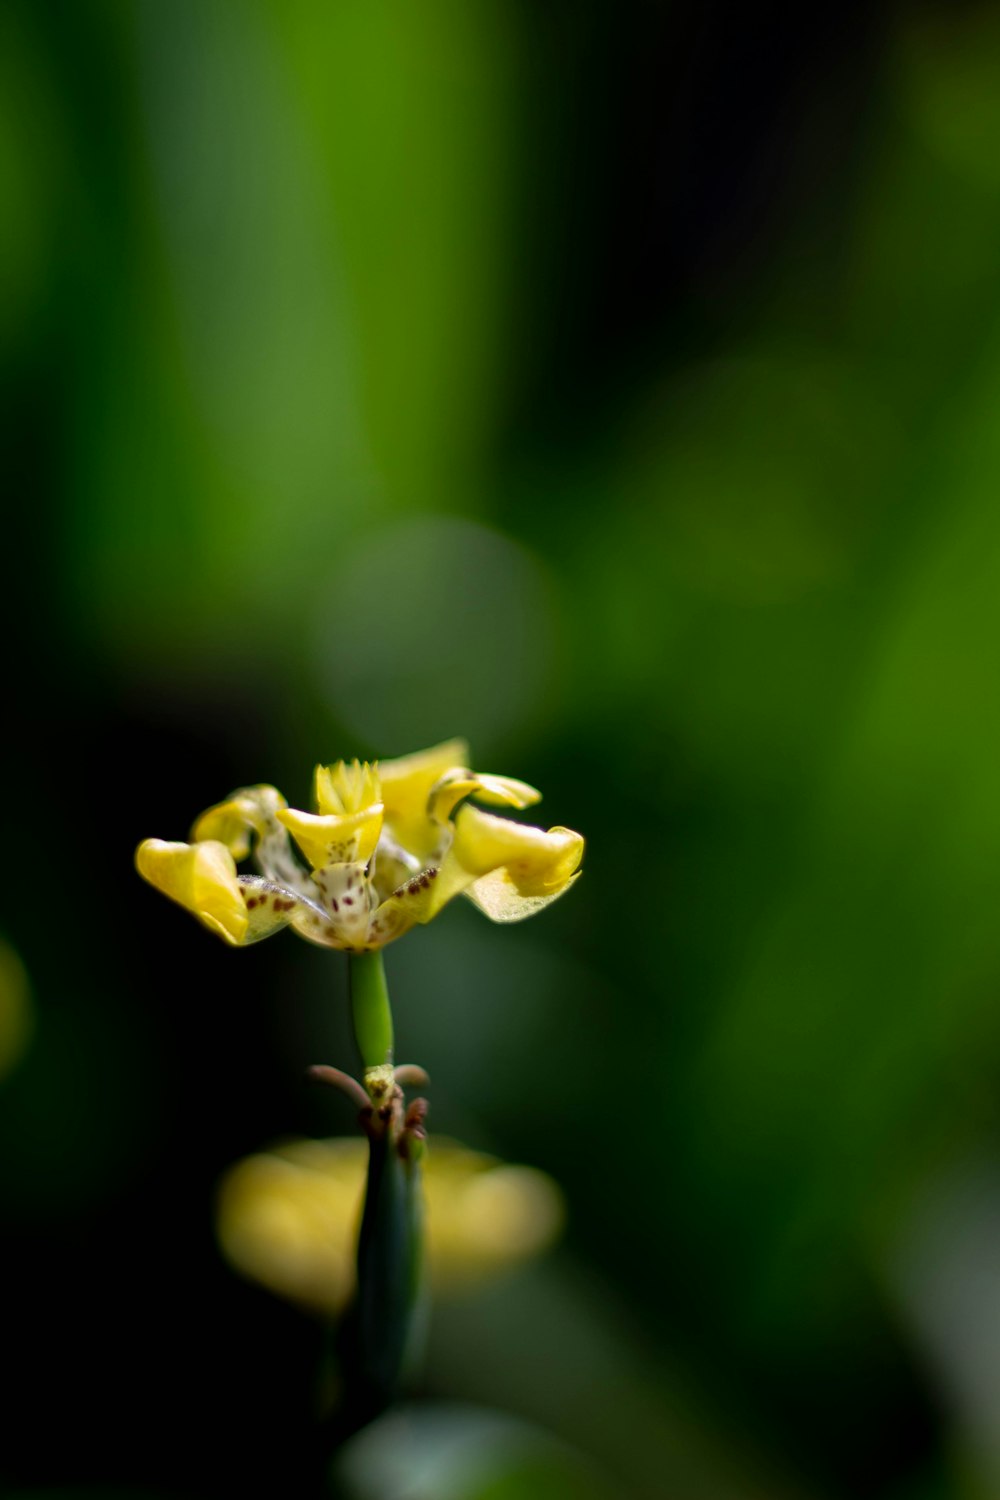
(435, 626)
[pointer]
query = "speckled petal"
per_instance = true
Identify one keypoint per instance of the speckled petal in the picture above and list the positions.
(416, 901)
(346, 899)
(270, 907)
(330, 839)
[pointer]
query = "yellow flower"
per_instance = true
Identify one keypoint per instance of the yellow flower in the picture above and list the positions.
(17, 1015)
(288, 1218)
(387, 846)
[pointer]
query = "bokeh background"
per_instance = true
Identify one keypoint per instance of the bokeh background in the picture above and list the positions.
(617, 385)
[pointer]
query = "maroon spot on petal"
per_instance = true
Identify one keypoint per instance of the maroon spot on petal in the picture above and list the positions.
(335, 903)
(251, 902)
(348, 900)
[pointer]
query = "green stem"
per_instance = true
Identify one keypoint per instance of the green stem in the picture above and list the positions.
(389, 1256)
(384, 1325)
(370, 1010)
(383, 1328)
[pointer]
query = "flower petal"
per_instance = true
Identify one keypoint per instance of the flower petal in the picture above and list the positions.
(498, 791)
(346, 787)
(347, 903)
(510, 870)
(518, 870)
(231, 822)
(202, 878)
(538, 862)
(416, 901)
(271, 907)
(406, 786)
(426, 764)
(287, 1218)
(252, 811)
(498, 897)
(333, 839)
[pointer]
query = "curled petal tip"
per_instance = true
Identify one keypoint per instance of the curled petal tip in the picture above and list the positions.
(458, 782)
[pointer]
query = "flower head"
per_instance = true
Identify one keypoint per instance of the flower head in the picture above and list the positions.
(286, 1218)
(386, 847)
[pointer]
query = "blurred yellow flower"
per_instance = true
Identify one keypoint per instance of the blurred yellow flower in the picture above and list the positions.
(387, 846)
(288, 1218)
(16, 1011)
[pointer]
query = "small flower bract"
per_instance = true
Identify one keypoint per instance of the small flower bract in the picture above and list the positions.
(387, 846)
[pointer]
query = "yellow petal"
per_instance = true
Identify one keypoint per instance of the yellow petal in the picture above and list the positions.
(346, 787)
(498, 897)
(288, 1218)
(406, 786)
(202, 878)
(247, 811)
(510, 871)
(536, 861)
(427, 764)
(17, 1013)
(498, 791)
(329, 839)
(485, 1217)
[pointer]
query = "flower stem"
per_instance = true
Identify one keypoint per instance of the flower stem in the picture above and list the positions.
(370, 1010)
(389, 1263)
(382, 1330)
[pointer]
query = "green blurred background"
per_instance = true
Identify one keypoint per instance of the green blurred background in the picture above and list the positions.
(618, 386)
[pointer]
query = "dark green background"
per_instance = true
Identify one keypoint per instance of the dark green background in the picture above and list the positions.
(618, 385)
